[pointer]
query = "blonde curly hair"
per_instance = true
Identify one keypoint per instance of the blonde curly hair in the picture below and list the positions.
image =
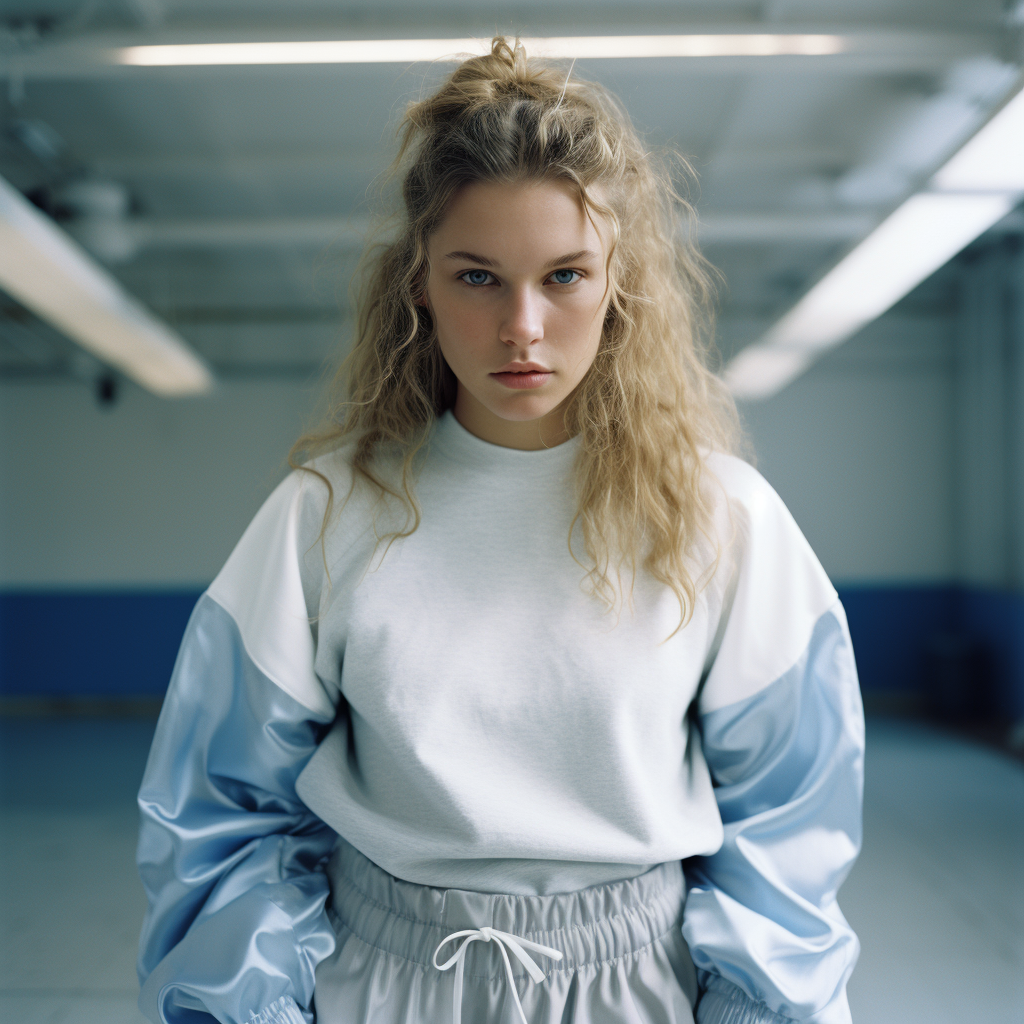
(648, 410)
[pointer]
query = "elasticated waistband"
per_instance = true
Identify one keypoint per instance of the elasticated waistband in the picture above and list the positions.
(593, 925)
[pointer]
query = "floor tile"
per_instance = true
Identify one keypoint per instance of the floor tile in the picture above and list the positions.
(70, 1008)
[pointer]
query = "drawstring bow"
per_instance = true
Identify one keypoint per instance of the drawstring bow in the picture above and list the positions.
(503, 939)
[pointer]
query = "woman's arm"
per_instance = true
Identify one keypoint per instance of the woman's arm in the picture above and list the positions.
(229, 856)
(782, 729)
(761, 915)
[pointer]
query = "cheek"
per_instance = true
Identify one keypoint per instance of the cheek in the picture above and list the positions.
(584, 319)
(460, 330)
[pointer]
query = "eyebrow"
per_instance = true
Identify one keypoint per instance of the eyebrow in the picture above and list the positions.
(483, 261)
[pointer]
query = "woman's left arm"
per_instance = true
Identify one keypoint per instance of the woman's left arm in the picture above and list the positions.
(785, 749)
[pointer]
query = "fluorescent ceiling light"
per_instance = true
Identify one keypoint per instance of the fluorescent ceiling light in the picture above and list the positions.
(928, 230)
(924, 233)
(403, 51)
(975, 188)
(993, 159)
(50, 274)
(761, 370)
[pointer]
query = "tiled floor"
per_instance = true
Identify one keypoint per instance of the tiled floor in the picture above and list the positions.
(72, 903)
(937, 896)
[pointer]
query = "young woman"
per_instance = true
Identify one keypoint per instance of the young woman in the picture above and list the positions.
(521, 699)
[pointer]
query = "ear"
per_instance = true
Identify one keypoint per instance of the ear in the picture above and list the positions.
(421, 298)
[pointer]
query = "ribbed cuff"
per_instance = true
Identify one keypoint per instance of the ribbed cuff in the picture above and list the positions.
(281, 1011)
(722, 1002)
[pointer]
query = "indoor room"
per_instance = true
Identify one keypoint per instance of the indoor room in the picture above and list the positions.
(786, 385)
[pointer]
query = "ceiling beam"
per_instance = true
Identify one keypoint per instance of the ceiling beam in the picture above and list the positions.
(115, 239)
(350, 234)
(366, 163)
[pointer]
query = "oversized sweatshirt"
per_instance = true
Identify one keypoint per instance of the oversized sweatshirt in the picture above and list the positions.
(461, 708)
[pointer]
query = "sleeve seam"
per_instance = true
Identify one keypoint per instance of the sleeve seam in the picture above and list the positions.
(829, 610)
(245, 647)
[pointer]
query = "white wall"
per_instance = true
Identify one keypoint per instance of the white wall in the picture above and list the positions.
(989, 405)
(148, 493)
(154, 493)
(860, 449)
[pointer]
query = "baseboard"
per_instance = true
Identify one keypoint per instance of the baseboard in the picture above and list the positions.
(80, 707)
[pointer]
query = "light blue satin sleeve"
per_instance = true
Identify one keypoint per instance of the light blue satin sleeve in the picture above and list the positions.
(761, 918)
(230, 857)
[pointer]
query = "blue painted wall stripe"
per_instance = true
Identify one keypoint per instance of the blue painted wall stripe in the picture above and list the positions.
(123, 643)
(100, 643)
(997, 619)
(891, 629)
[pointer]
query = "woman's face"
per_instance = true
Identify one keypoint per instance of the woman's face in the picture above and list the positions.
(517, 292)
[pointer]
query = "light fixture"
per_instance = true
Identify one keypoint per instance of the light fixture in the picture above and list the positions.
(974, 189)
(760, 370)
(403, 51)
(46, 271)
(993, 160)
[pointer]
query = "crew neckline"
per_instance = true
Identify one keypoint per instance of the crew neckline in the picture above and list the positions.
(451, 438)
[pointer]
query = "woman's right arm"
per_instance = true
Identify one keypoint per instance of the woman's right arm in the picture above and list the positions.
(230, 857)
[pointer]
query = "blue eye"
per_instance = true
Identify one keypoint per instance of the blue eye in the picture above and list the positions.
(559, 276)
(475, 277)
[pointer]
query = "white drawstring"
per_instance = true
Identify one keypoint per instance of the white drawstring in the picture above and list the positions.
(502, 939)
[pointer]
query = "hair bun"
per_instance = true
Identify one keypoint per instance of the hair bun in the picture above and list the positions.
(507, 70)
(511, 57)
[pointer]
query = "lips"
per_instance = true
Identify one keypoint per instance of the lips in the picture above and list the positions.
(522, 379)
(523, 368)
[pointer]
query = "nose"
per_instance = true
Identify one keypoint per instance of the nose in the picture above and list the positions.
(522, 321)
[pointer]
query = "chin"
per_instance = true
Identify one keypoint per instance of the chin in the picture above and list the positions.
(525, 411)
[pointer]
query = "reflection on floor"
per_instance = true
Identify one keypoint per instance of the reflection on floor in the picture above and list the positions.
(937, 896)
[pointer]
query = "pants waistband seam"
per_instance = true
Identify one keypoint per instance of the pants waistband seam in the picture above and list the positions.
(568, 930)
(384, 906)
(656, 897)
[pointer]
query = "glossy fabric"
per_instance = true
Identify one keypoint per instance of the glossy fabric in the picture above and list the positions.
(624, 958)
(488, 768)
(230, 858)
(761, 914)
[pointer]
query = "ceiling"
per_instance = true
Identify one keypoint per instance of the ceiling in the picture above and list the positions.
(245, 188)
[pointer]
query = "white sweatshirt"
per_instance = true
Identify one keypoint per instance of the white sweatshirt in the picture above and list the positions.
(483, 722)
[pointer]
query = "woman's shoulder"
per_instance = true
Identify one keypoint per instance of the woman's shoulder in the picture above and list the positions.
(334, 467)
(773, 589)
(757, 527)
(296, 508)
(738, 489)
(737, 478)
